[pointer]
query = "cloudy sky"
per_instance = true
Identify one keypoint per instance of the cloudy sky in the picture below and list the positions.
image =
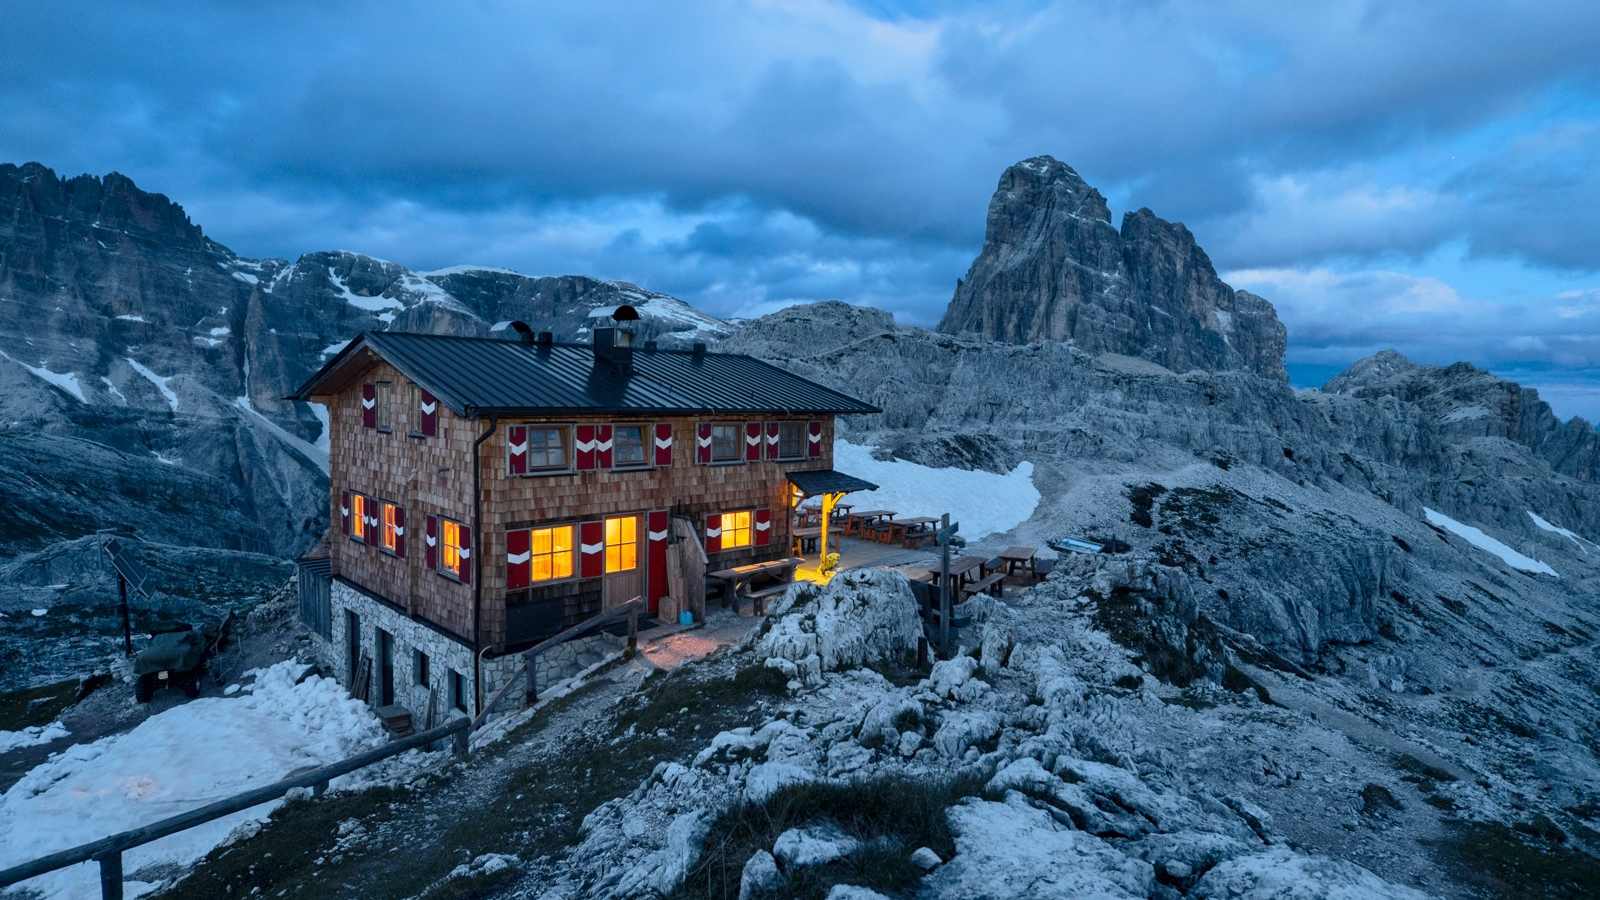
(1417, 175)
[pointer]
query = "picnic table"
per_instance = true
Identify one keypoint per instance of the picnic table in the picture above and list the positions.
(810, 537)
(914, 530)
(1017, 557)
(960, 569)
(871, 523)
(740, 576)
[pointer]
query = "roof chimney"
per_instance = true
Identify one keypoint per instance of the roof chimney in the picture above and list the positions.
(699, 351)
(613, 342)
(545, 338)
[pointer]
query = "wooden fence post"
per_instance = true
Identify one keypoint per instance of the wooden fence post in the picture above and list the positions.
(633, 631)
(111, 875)
(462, 743)
(533, 678)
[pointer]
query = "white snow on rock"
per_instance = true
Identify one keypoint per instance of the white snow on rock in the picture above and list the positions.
(130, 317)
(1277, 873)
(175, 761)
(1544, 525)
(861, 616)
(1477, 538)
(67, 381)
(32, 736)
(370, 304)
(983, 502)
(162, 384)
(334, 347)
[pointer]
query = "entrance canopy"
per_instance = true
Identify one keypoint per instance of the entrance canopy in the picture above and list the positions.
(826, 481)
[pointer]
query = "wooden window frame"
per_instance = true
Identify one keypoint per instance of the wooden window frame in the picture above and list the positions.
(647, 446)
(572, 553)
(805, 440)
(439, 561)
(415, 417)
(738, 443)
(568, 442)
(358, 517)
(383, 406)
(749, 530)
(384, 529)
(605, 536)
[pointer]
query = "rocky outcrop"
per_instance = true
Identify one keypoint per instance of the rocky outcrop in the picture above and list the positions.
(862, 617)
(1466, 402)
(1054, 268)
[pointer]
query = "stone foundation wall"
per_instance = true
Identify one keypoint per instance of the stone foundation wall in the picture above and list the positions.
(446, 655)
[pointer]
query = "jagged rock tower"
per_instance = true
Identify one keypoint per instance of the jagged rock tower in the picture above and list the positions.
(1053, 267)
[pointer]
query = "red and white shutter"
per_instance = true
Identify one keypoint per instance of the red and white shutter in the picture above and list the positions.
(428, 412)
(369, 406)
(400, 531)
(430, 541)
(702, 443)
(518, 553)
(752, 441)
(656, 529)
(713, 532)
(344, 511)
(763, 529)
(664, 444)
(602, 446)
(586, 444)
(772, 440)
(517, 449)
(814, 438)
(591, 549)
(466, 555)
(373, 526)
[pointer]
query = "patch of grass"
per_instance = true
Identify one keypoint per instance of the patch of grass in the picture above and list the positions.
(663, 697)
(1416, 771)
(891, 816)
(1377, 800)
(36, 706)
(1143, 498)
(1499, 862)
(278, 853)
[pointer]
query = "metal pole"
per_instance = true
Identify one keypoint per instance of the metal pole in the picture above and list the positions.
(127, 630)
(944, 585)
(111, 876)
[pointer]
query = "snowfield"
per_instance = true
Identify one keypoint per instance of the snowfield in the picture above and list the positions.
(1477, 538)
(175, 761)
(1544, 525)
(983, 502)
(32, 736)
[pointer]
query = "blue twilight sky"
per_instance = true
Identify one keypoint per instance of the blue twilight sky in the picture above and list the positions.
(1418, 175)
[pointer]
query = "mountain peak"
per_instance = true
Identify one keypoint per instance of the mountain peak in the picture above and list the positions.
(1054, 268)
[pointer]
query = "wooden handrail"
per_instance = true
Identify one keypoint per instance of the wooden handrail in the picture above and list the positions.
(629, 611)
(108, 850)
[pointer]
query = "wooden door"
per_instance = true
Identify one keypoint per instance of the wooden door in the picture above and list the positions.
(624, 559)
(385, 668)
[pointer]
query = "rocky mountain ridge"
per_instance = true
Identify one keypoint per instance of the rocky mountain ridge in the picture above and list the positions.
(1054, 268)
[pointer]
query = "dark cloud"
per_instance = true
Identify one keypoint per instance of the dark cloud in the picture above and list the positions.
(749, 155)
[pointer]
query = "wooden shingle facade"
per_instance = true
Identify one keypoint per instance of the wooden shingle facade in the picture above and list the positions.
(497, 491)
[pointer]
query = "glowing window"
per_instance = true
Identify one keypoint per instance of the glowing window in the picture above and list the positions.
(390, 539)
(450, 547)
(358, 517)
(550, 553)
(622, 544)
(736, 529)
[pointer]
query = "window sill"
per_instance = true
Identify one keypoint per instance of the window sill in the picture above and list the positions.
(727, 462)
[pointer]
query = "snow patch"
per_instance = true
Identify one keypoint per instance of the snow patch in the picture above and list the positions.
(1484, 542)
(220, 331)
(32, 736)
(176, 761)
(983, 502)
(113, 389)
(1464, 413)
(370, 304)
(246, 277)
(160, 383)
(130, 317)
(1544, 525)
(332, 349)
(66, 381)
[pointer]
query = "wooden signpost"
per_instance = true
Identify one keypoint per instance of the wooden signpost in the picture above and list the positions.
(947, 530)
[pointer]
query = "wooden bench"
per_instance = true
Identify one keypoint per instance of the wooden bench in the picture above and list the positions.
(993, 583)
(758, 599)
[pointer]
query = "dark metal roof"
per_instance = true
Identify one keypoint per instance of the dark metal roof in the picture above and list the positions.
(827, 481)
(481, 376)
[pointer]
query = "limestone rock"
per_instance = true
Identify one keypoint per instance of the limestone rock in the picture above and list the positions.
(760, 877)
